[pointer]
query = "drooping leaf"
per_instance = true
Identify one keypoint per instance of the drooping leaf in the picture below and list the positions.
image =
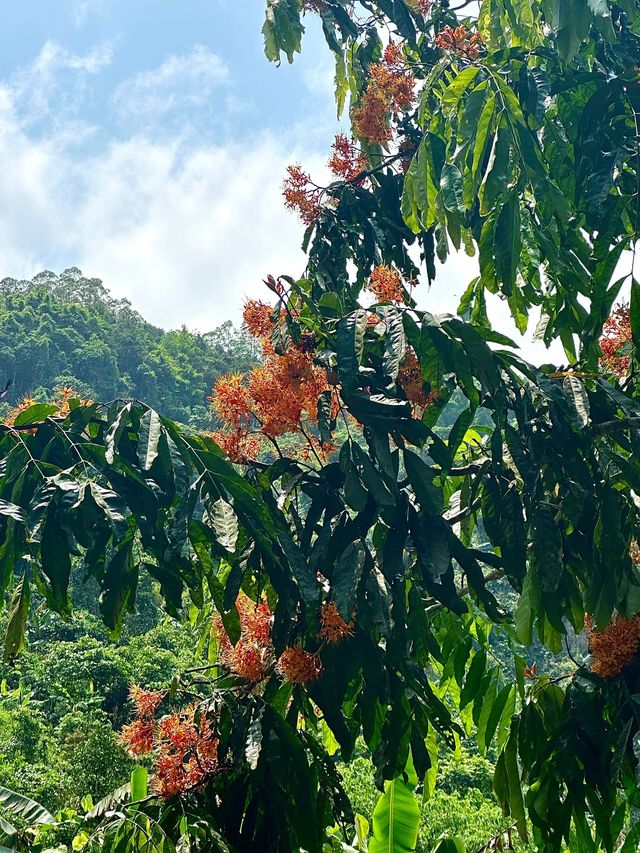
(14, 639)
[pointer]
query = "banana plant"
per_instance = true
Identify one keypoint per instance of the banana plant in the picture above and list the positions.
(32, 813)
(396, 819)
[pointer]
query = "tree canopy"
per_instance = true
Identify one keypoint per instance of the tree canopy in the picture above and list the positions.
(349, 591)
(68, 331)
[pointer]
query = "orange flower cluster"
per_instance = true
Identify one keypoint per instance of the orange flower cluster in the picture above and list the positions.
(185, 747)
(252, 655)
(390, 91)
(460, 41)
(347, 162)
(62, 399)
(634, 552)
(386, 285)
(615, 342)
(138, 737)
(146, 702)
(297, 666)
(615, 647)
(240, 446)
(187, 753)
(277, 395)
(333, 628)
(22, 405)
(284, 389)
(411, 381)
(301, 195)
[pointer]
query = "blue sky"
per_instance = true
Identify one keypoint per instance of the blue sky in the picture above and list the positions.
(145, 141)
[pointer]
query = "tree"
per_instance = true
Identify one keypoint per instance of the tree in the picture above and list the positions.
(346, 595)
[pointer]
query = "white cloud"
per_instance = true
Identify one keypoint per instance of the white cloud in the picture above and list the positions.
(180, 83)
(81, 10)
(56, 77)
(184, 234)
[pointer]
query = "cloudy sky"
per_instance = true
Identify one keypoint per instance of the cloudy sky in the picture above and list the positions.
(145, 142)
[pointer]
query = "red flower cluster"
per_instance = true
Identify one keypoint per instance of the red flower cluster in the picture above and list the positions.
(301, 195)
(252, 655)
(386, 285)
(460, 41)
(390, 91)
(347, 162)
(297, 666)
(615, 647)
(615, 342)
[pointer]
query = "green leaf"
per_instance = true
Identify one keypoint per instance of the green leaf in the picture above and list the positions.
(395, 342)
(346, 578)
(282, 29)
(349, 348)
(11, 510)
(149, 436)
(34, 414)
(225, 524)
(138, 783)
(18, 615)
(508, 243)
(56, 562)
(324, 416)
(474, 678)
(396, 820)
(403, 21)
(546, 549)
(449, 844)
(579, 399)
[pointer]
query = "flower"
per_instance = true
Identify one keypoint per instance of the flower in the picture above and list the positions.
(615, 647)
(301, 195)
(283, 389)
(389, 91)
(22, 405)
(459, 41)
(333, 628)
(146, 701)
(137, 737)
(256, 316)
(615, 342)
(298, 667)
(346, 162)
(386, 285)
(231, 399)
(188, 752)
(252, 655)
(239, 445)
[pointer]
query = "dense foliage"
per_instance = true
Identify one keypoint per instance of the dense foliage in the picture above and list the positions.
(67, 331)
(346, 595)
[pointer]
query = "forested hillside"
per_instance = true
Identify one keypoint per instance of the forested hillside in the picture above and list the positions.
(67, 330)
